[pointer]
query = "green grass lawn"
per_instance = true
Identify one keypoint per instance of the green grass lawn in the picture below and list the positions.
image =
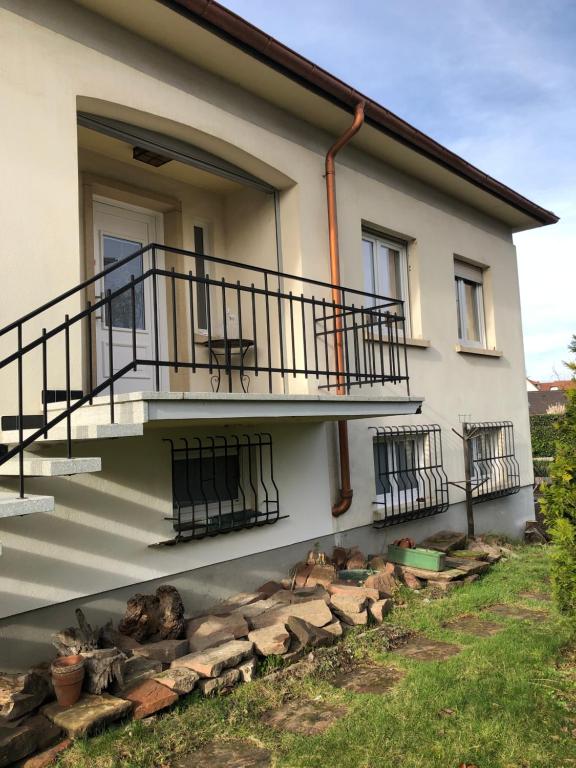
(506, 701)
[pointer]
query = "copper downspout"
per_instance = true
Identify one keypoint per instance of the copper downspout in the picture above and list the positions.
(346, 492)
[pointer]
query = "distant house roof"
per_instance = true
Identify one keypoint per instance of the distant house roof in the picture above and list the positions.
(559, 384)
(541, 402)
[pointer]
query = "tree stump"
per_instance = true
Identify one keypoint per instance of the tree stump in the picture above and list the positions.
(154, 617)
(103, 667)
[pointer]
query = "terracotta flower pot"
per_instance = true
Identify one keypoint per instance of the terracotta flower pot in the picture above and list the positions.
(67, 677)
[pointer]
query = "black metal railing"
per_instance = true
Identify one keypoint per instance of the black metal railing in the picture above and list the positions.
(494, 470)
(254, 324)
(410, 479)
(222, 484)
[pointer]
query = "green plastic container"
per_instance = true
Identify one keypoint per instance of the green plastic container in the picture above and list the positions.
(356, 575)
(427, 559)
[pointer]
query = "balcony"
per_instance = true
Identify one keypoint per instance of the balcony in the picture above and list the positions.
(211, 339)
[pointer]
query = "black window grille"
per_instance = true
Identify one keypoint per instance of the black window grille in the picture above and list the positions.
(222, 484)
(410, 478)
(494, 470)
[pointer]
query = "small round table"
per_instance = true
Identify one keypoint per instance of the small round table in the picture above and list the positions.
(226, 349)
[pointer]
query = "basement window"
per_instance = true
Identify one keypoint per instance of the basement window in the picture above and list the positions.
(222, 484)
(410, 481)
(494, 469)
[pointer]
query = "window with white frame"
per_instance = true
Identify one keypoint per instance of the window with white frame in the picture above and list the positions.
(386, 268)
(470, 304)
(409, 473)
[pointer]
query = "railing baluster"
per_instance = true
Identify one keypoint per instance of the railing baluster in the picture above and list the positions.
(191, 286)
(20, 412)
(110, 355)
(209, 323)
(68, 386)
(44, 381)
(280, 333)
(133, 303)
(293, 343)
(315, 336)
(174, 320)
(268, 340)
(254, 330)
(227, 347)
(304, 341)
(155, 311)
(90, 353)
(343, 310)
(326, 352)
(240, 337)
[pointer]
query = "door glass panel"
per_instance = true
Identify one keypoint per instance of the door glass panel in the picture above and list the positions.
(115, 249)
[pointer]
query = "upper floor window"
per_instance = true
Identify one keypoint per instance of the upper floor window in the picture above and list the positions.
(386, 268)
(470, 303)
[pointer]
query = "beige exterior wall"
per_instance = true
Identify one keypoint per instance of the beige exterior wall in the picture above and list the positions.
(97, 538)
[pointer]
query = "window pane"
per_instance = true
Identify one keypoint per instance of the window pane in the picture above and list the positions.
(115, 249)
(406, 460)
(207, 480)
(457, 283)
(368, 261)
(382, 468)
(471, 305)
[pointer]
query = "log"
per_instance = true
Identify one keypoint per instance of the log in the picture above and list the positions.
(154, 617)
(21, 694)
(103, 667)
(76, 640)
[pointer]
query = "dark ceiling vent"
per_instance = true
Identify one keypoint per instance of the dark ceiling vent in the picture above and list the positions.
(148, 157)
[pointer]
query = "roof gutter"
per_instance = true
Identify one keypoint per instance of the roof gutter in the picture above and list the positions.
(240, 33)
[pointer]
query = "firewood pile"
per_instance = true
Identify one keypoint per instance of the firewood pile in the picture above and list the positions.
(156, 654)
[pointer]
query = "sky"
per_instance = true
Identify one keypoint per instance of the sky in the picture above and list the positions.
(493, 80)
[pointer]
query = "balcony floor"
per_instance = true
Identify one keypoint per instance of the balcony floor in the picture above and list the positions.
(223, 408)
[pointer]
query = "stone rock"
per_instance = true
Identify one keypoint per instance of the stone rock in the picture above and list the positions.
(226, 607)
(137, 669)
(269, 588)
(444, 541)
(469, 579)
(21, 693)
(249, 612)
(340, 557)
(410, 580)
(335, 628)
(308, 635)
(308, 718)
(424, 649)
(345, 588)
(248, 669)
(301, 595)
(179, 680)
(303, 570)
(321, 574)
(349, 602)
(270, 641)
(353, 619)
(314, 611)
(384, 582)
(381, 608)
(48, 757)
(111, 638)
(446, 586)
(149, 697)
(207, 631)
(227, 679)
(164, 651)
(16, 742)
(356, 561)
(89, 714)
(45, 731)
(378, 563)
(212, 661)
(227, 754)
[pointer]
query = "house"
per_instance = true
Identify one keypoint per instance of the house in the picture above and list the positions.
(559, 385)
(256, 305)
(548, 401)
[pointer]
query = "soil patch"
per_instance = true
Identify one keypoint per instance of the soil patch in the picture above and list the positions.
(535, 596)
(425, 649)
(304, 717)
(473, 625)
(515, 612)
(227, 754)
(369, 679)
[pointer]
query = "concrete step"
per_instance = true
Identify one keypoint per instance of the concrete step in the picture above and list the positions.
(89, 432)
(12, 506)
(125, 412)
(37, 466)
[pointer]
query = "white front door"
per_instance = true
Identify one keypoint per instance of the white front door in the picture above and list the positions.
(120, 231)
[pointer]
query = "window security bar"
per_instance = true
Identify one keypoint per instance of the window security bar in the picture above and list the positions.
(494, 470)
(222, 484)
(410, 479)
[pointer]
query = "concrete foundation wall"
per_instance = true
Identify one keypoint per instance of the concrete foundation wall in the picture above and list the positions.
(25, 639)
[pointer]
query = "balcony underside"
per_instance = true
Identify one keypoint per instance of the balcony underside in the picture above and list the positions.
(162, 408)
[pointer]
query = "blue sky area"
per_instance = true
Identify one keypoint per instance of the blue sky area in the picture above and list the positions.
(493, 80)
